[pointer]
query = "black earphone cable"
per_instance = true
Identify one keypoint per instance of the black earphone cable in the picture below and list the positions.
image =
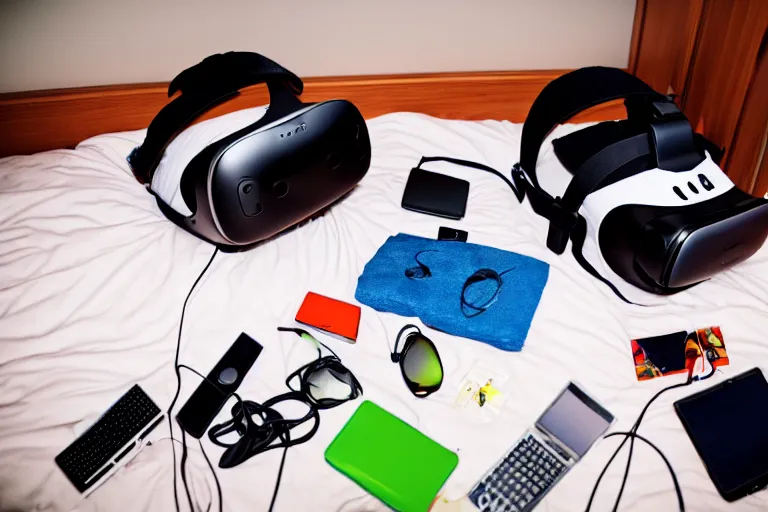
(632, 438)
(256, 439)
(484, 274)
(279, 477)
(213, 471)
(184, 469)
(691, 379)
(280, 427)
(272, 427)
(635, 435)
(421, 271)
(632, 435)
(176, 397)
(632, 430)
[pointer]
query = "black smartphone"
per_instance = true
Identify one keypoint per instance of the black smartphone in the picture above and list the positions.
(452, 235)
(210, 396)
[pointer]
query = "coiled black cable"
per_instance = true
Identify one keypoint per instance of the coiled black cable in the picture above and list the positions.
(484, 274)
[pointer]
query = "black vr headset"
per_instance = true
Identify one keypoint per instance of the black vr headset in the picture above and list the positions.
(647, 191)
(246, 187)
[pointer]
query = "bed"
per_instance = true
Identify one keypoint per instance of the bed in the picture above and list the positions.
(93, 277)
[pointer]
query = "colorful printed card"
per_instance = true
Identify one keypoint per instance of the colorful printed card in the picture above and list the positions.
(675, 353)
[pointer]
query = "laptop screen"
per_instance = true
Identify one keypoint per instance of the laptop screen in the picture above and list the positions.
(575, 419)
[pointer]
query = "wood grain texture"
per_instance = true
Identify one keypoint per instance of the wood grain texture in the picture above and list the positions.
(723, 72)
(42, 120)
(666, 41)
(711, 54)
(746, 159)
(761, 187)
(637, 31)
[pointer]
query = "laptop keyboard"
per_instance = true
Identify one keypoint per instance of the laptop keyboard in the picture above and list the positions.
(83, 460)
(518, 481)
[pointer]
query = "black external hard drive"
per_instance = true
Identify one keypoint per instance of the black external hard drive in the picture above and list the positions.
(435, 194)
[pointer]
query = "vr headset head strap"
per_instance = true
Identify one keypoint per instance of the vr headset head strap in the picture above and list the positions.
(202, 86)
(568, 95)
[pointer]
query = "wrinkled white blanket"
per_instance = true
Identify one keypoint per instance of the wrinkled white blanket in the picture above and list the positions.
(92, 280)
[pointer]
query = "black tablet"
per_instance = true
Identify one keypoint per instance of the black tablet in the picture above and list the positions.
(728, 425)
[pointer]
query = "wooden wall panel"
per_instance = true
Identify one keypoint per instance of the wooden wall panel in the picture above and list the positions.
(746, 158)
(663, 41)
(725, 63)
(37, 121)
(761, 186)
(637, 33)
(712, 54)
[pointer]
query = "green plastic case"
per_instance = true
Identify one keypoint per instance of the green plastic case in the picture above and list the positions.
(390, 459)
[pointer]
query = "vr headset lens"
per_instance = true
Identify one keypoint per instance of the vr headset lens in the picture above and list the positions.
(719, 246)
(679, 249)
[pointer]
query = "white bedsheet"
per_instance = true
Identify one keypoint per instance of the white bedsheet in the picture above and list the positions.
(92, 280)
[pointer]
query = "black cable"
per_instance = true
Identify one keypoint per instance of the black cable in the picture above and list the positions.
(519, 193)
(275, 426)
(279, 477)
(218, 486)
(678, 491)
(302, 333)
(632, 435)
(633, 430)
(484, 274)
(688, 382)
(184, 469)
(178, 381)
(710, 356)
(422, 271)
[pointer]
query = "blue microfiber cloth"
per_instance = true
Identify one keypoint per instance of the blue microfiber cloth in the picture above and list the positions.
(436, 298)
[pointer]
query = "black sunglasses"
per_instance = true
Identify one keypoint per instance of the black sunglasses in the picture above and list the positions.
(419, 362)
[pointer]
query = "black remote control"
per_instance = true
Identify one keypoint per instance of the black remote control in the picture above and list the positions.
(205, 403)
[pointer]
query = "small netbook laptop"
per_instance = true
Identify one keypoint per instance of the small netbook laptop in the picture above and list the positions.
(559, 439)
(111, 442)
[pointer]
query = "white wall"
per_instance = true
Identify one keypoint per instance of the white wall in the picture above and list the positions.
(66, 43)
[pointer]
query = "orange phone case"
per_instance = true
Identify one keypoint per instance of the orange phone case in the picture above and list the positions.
(330, 316)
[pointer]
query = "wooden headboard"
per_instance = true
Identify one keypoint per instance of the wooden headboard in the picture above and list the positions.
(41, 120)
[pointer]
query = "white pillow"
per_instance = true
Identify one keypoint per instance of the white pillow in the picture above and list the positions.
(165, 182)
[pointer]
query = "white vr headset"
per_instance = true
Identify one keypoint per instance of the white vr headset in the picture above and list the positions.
(648, 210)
